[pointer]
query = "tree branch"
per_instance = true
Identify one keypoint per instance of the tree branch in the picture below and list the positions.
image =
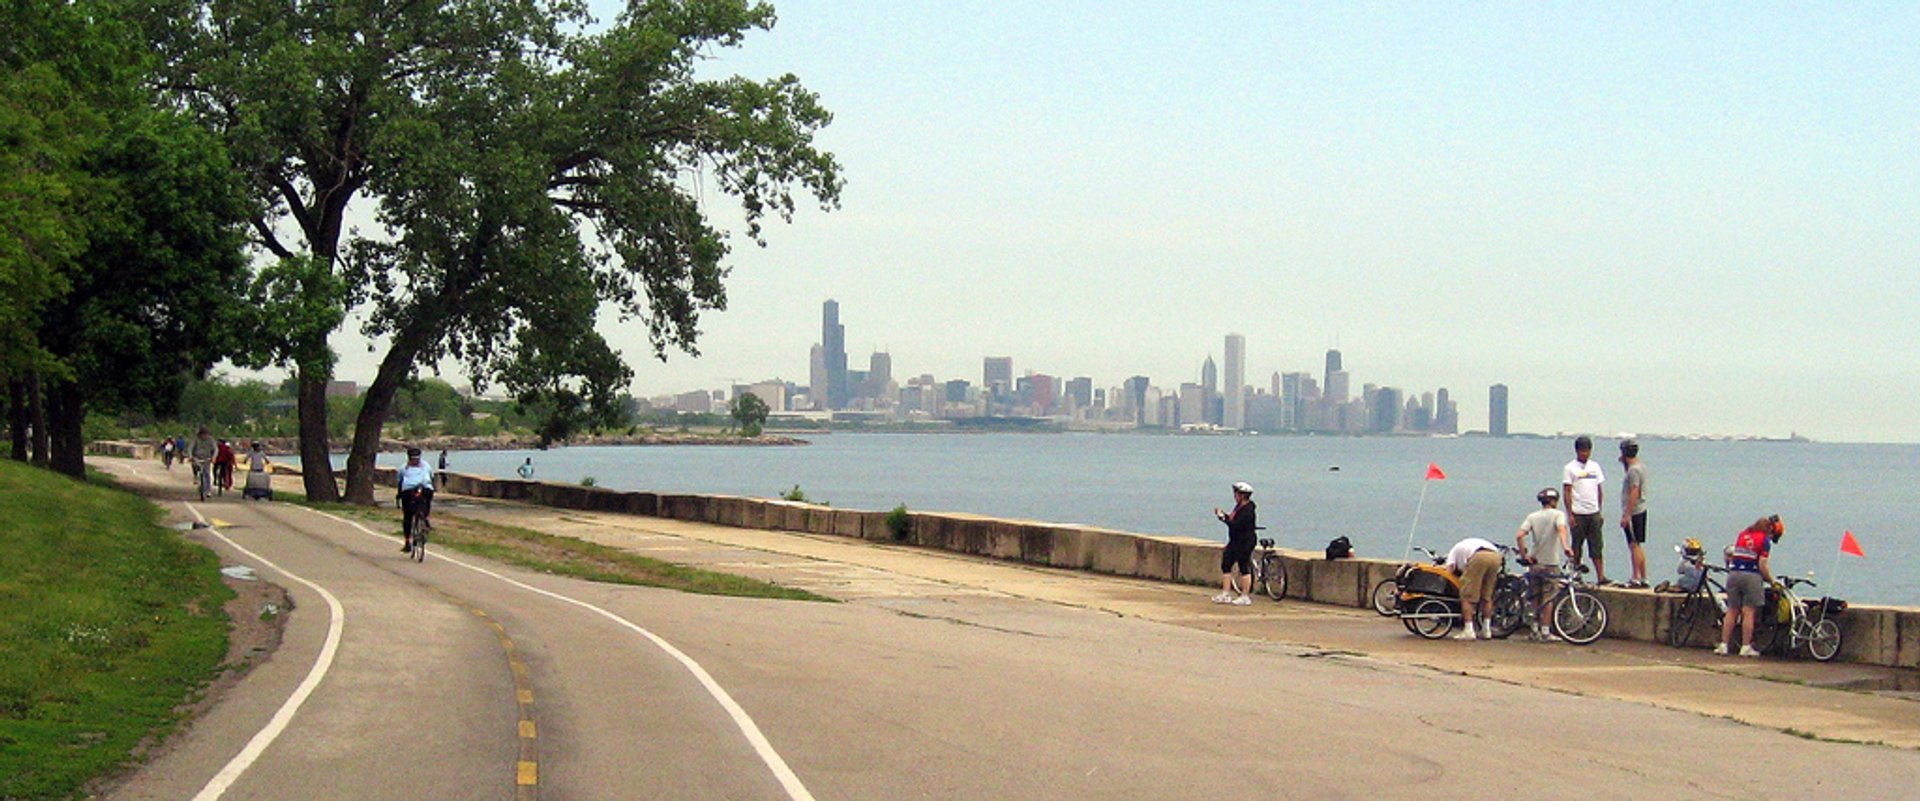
(271, 242)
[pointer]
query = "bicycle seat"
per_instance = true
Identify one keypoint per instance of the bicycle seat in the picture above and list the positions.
(1266, 543)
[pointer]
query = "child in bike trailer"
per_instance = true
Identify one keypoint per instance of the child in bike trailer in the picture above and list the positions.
(416, 496)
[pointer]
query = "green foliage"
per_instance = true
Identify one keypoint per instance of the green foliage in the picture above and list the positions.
(111, 622)
(795, 494)
(589, 481)
(750, 412)
(899, 523)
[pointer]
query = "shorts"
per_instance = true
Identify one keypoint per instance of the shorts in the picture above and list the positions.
(1637, 529)
(1745, 589)
(1585, 532)
(1237, 552)
(1479, 576)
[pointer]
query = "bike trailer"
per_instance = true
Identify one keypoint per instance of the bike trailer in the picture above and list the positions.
(259, 485)
(1428, 580)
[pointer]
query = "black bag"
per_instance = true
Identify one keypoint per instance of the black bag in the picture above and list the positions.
(1339, 548)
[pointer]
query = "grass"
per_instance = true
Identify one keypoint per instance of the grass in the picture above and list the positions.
(111, 623)
(567, 556)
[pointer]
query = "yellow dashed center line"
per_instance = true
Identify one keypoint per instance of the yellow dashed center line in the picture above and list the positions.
(527, 769)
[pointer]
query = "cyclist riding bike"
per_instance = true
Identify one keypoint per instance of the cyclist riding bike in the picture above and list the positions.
(204, 449)
(416, 496)
(223, 467)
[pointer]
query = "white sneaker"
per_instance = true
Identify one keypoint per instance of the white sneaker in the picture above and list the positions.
(1747, 650)
(1464, 635)
(1720, 650)
(1223, 598)
(1242, 600)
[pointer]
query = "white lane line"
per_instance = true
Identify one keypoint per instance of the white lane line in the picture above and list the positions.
(781, 772)
(218, 785)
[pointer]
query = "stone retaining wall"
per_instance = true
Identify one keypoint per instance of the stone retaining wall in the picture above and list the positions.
(1874, 635)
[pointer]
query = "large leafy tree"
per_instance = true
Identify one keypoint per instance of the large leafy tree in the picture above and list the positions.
(528, 168)
(126, 275)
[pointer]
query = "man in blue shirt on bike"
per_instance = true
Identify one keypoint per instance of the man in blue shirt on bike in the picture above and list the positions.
(416, 496)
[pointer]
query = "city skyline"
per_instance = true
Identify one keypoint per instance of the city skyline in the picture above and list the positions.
(1685, 219)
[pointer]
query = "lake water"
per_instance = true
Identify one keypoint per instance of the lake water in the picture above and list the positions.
(1170, 485)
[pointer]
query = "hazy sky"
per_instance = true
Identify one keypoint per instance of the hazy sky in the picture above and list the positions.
(1661, 218)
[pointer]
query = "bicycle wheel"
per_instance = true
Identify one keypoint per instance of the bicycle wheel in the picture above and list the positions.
(1386, 597)
(1509, 611)
(1431, 618)
(1823, 640)
(420, 530)
(1273, 577)
(1696, 610)
(1579, 617)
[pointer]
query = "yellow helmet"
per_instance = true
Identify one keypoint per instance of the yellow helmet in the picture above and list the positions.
(1693, 546)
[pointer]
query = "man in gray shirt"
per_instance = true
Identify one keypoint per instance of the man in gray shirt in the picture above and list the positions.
(1633, 509)
(1543, 540)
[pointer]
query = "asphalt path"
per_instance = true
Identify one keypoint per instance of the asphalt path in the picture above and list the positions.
(450, 677)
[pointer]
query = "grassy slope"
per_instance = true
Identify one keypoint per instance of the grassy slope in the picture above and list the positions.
(110, 622)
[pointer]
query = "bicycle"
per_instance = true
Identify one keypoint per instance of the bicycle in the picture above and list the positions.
(203, 477)
(422, 526)
(1574, 613)
(1269, 572)
(1704, 603)
(1429, 601)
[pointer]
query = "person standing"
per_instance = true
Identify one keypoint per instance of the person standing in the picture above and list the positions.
(1543, 540)
(1748, 577)
(1633, 510)
(416, 496)
(1477, 563)
(526, 470)
(1236, 560)
(443, 460)
(1582, 486)
(166, 452)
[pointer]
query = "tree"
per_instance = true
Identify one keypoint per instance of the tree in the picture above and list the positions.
(750, 412)
(528, 170)
(142, 283)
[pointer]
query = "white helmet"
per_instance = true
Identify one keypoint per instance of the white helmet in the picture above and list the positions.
(1243, 487)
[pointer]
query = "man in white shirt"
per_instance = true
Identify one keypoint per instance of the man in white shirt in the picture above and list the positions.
(1477, 563)
(1582, 485)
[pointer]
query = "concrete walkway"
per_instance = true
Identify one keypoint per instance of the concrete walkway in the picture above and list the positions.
(1843, 702)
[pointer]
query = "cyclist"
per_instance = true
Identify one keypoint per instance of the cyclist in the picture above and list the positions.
(1748, 577)
(1238, 555)
(223, 467)
(416, 496)
(204, 449)
(1545, 545)
(1477, 562)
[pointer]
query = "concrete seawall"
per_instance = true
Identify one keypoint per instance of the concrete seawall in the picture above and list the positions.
(1888, 636)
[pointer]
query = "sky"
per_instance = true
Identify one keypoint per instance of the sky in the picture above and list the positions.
(1658, 218)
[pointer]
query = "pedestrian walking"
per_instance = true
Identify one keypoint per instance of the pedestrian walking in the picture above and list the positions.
(443, 460)
(1582, 486)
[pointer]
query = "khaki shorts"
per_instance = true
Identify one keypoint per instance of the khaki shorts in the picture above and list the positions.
(1745, 588)
(1478, 578)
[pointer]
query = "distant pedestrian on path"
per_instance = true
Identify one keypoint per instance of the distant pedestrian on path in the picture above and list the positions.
(1582, 486)
(1544, 542)
(1236, 560)
(526, 470)
(166, 452)
(443, 459)
(1633, 510)
(1748, 577)
(1477, 563)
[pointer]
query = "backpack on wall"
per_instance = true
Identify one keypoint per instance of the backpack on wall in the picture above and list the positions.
(1339, 548)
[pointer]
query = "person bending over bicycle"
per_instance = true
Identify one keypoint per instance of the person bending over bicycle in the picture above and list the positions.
(1748, 577)
(1546, 546)
(416, 496)
(1477, 562)
(1238, 555)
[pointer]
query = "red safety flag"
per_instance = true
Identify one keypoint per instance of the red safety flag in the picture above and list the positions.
(1433, 472)
(1850, 545)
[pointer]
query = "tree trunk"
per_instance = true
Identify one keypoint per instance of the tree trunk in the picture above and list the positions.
(18, 419)
(37, 419)
(316, 462)
(374, 408)
(67, 413)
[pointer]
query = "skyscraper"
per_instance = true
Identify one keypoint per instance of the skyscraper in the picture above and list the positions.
(1210, 384)
(817, 377)
(879, 374)
(1234, 392)
(1497, 410)
(833, 344)
(1333, 366)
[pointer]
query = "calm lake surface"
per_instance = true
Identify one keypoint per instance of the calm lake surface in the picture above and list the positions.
(1170, 485)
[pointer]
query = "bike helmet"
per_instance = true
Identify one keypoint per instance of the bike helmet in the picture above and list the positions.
(1692, 547)
(1629, 447)
(1243, 487)
(1548, 496)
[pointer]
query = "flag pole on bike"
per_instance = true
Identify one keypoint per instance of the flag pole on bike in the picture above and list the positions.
(1433, 474)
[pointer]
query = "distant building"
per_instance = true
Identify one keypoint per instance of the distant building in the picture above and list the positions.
(957, 390)
(817, 375)
(1210, 384)
(833, 344)
(342, 389)
(1387, 407)
(1497, 410)
(1326, 378)
(1233, 393)
(1134, 392)
(996, 378)
(879, 375)
(772, 392)
(1081, 391)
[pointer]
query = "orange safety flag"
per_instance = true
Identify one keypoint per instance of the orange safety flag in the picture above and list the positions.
(1433, 472)
(1850, 545)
